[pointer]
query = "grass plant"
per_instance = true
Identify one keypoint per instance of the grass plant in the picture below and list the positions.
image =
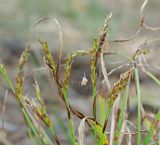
(36, 116)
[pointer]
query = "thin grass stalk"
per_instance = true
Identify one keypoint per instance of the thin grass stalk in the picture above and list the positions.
(62, 87)
(31, 136)
(6, 77)
(70, 121)
(139, 105)
(30, 124)
(153, 77)
(121, 117)
(46, 137)
(113, 119)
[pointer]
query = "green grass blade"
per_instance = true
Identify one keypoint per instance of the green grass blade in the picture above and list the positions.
(70, 121)
(101, 108)
(72, 133)
(152, 129)
(32, 127)
(139, 105)
(46, 137)
(122, 113)
(31, 136)
(100, 138)
(153, 77)
(6, 77)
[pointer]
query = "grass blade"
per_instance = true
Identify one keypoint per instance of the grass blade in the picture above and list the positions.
(139, 105)
(6, 77)
(102, 106)
(32, 127)
(122, 113)
(153, 77)
(31, 136)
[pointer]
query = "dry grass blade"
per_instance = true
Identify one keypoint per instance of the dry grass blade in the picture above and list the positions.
(130, 38)
(104, 71)
(142, 9)
(151, 28)
(4, 107)
(142, 18)
(129, 137)
(81, 130)
(142, 24)
(113, 122)
(115, 69)
(139, 28)
(59, 28)
(122, 130)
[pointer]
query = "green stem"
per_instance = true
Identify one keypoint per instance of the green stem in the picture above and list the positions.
(139, 105)
(29, 122)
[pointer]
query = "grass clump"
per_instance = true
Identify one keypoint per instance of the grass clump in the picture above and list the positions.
(34, 114)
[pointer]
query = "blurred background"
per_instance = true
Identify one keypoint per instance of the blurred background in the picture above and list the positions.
(81, 21)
